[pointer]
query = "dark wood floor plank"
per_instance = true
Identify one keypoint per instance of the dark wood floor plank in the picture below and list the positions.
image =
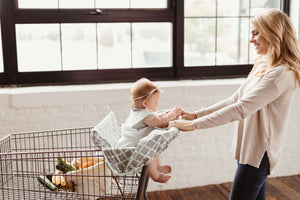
(282, 188)
(210, 192)
(161, 195)
(227, 186)
(273, 193)
(223, 190)
(292, 181)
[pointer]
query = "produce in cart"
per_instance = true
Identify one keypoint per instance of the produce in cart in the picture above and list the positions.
(64, 166)
(47, 183)
(85, 162)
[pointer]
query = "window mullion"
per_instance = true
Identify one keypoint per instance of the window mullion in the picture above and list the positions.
(9, 41)
(83, 15)
(286, 7)
(178, 47)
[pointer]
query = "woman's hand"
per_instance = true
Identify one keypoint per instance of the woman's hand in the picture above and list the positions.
(188, 115)
(183, 125)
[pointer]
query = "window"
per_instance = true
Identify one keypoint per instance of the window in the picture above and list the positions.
(48, 4)
(92, 41)
(93, 46)
(216, 34)
(228, 21)
(295, 17)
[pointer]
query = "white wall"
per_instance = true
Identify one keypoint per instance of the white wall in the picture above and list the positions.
(198, 158)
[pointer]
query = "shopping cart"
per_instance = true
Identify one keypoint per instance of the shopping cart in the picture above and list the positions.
(28, 161)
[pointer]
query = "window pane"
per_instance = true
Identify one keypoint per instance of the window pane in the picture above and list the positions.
(91, 3)
(232, 43)
(258, 6)
(148, 4)
(199, 42)
(1, 54)
(76, 4)
(197, 8)
(38, 47)
(79, 46)
(295, 15)
(112, 3)
(151, 45)
(233, 7)
(114, 45)
(38, 4)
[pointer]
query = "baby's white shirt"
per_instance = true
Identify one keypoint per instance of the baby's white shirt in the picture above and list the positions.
(134, 129)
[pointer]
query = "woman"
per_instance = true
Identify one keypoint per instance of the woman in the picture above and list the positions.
(261, 105)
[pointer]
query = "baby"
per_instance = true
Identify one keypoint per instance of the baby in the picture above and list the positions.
(142, 120)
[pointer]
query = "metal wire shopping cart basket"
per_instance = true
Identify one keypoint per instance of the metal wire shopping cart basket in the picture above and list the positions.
(28, 161)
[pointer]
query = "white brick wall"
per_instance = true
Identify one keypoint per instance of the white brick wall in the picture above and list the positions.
(198, 158)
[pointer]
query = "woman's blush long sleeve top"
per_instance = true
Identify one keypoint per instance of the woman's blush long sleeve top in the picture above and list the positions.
(261, 107)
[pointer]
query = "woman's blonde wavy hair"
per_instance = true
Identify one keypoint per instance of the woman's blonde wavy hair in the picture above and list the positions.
(283, 48)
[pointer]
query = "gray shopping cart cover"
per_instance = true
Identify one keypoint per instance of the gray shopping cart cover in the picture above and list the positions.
(129, 159)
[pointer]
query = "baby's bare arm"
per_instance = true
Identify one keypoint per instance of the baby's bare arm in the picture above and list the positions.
(162, 120)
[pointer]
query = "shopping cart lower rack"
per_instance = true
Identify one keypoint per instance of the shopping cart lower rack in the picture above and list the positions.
(29, 163)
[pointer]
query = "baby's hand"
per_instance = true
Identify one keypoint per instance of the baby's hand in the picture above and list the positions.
(177, 111)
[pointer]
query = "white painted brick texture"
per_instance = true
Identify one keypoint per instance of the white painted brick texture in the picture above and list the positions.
(198, 158)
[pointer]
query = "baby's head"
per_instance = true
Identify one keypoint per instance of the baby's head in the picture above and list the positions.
(144, 94)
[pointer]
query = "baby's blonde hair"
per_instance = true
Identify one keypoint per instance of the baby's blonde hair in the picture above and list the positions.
(142, 89)
(283, 48)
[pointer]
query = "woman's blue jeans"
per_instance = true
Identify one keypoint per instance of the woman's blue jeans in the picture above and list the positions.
(250, 182)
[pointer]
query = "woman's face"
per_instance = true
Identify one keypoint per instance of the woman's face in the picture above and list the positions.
(259, 42)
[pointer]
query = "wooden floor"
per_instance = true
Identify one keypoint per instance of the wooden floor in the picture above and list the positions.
(281, 188)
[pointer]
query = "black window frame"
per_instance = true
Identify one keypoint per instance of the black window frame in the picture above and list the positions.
(174, 13)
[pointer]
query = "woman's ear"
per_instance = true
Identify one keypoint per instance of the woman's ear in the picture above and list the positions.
(145, 103)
